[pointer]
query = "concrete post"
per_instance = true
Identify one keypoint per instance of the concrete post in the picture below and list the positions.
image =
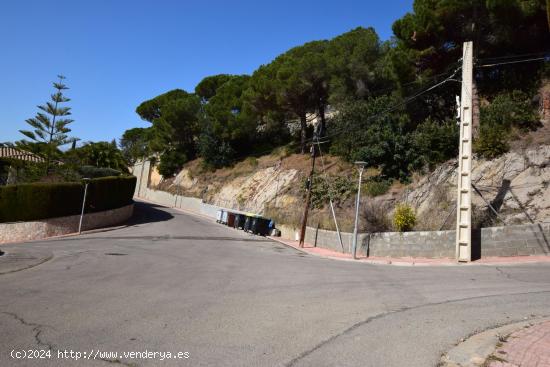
(464, 173)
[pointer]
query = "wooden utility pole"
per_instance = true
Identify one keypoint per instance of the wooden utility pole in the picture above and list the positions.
(464, 173)
(308, 196)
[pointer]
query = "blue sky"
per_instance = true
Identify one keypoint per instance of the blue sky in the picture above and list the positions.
(116, 54)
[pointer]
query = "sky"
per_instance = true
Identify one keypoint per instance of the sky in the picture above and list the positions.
(116, 54)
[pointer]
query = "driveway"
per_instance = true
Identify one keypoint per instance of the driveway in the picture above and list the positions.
(173, 282)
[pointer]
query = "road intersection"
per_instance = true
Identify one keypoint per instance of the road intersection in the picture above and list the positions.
(174, 282)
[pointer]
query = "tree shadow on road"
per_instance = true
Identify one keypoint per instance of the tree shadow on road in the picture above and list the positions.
(148, 213)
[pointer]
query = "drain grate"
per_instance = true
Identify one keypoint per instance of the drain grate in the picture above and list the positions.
(115, 254)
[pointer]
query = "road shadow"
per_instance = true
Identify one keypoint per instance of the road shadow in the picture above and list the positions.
(476, 244)
(148, 213)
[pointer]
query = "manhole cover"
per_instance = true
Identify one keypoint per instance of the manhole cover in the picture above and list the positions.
(115, 254)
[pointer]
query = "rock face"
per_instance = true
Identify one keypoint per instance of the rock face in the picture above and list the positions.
(516, 184)
(184, 179)
(252, 192)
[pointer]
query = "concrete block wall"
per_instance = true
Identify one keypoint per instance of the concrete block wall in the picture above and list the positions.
(431, 244)
(518, 240)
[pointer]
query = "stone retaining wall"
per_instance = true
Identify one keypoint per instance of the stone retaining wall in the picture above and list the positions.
(39, 229)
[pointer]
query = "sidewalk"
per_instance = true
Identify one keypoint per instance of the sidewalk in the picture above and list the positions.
(409, 261)
(523, 344)
(528, 347)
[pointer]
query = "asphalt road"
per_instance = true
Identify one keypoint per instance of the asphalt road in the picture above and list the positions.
(172, 282)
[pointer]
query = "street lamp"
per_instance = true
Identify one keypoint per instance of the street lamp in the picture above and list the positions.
(86, 182)
(361, 168)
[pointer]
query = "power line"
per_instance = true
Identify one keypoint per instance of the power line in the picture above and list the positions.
(449, 68)
(513, 62)
(492, 59)
(396, 106)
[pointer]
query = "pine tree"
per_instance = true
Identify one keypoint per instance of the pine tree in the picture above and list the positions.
(50, 125)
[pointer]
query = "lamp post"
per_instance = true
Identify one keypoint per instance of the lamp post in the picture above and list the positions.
(86, 182)
(354, 246)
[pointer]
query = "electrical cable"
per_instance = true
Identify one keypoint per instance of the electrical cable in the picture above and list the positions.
(513, 62)
(492, 59)
(394, 107)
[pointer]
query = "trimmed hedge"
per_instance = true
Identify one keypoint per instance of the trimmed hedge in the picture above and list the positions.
(33, 201)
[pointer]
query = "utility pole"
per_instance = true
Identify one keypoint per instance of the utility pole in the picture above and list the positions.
(357, 202)
(308, 197)
(464, 173)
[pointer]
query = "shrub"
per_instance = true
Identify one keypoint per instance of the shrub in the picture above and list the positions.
(507, 111)
(376, 217)
(171, 162)
(35, 201)
(110, 192)
(376, 187)
(215, 153)
(513, 109)
(338, 189)
(252, 161)
(492, 141)
(404, 218)
(95, 172)
(434, 142)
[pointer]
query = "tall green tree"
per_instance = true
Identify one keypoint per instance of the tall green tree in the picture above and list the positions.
(134, 144)
(301, 83)
(437, 29)
(175, 128)
(207, 87)
(50, 126)
(229, 129)
(101, 154)
(260, 101)
(364, 131)
(357, 65)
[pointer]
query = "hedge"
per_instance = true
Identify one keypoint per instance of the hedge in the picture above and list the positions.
(33, 201)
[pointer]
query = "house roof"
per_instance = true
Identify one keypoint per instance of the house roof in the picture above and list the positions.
(23, 155)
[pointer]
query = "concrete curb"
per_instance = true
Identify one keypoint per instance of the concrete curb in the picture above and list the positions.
(474, 351)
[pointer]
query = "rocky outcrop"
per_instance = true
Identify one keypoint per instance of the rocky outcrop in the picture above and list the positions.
(251, 193)
(516, 184)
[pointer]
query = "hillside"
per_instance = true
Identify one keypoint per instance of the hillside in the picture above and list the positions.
(517, 184)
